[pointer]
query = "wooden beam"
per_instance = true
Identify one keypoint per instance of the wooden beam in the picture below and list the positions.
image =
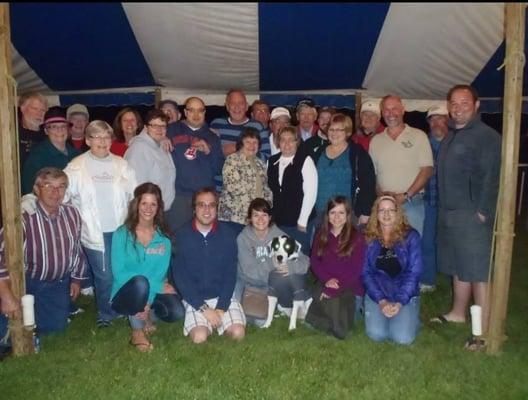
(157, 97)
(10, 185)
(357, 119)
(513, 84)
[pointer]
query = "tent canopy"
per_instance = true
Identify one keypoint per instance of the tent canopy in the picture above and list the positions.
(117, 53)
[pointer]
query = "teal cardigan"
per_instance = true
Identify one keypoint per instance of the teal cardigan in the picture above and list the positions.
(131, 258)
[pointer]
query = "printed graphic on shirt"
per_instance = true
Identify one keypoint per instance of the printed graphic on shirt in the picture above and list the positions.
(261, 252)
(105, 177)
(157, 250)
(190, 153)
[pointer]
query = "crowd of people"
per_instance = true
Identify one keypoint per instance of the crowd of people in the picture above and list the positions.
(168, 218)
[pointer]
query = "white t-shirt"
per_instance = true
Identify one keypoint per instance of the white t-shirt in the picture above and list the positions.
(102, 174)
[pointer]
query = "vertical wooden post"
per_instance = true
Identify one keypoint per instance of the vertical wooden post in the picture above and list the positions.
(10, 185)
(513, 83)
(357, 120)
(157, 97)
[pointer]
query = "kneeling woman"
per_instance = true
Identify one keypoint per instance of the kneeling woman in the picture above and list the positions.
(337, 259)
(141, 251)
(256, 268)
(391, 274)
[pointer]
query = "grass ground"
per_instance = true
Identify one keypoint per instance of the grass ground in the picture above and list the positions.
(87, 363)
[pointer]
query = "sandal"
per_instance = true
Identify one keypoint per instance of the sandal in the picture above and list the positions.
(442, 320)
(149, 328)
(144, 347)
(475, 344)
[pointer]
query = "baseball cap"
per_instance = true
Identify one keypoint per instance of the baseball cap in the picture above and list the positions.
(77, 109)
(306, 102)
(279, 112)
(372, 106)
(437, 110)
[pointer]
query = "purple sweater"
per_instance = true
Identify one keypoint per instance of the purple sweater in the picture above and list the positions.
(347, 270)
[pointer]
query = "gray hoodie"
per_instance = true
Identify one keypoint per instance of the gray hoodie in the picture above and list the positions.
(152, 164)
(254, 261)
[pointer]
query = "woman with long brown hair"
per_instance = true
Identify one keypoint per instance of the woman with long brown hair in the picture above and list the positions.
(391, 274)
(127, 124)
(337, 259)
(141, 251)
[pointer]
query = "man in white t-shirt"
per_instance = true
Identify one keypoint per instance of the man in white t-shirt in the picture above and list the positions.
(403, 161)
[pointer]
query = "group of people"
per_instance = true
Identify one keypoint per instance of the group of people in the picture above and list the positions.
(174, 218)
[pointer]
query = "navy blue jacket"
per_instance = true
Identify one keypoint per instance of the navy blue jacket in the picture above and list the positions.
(205, 268)
(194, 172)
(379, 285)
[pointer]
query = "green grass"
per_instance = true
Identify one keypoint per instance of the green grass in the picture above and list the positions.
(87, 363)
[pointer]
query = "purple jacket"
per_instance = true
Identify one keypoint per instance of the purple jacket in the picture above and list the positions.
(379, 285)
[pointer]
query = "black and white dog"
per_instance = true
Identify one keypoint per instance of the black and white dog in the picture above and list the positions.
(284, 249)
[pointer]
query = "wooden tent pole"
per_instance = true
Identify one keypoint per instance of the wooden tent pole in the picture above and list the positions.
(10, 186)
(513, 84)
(157, 97)
(357, 111)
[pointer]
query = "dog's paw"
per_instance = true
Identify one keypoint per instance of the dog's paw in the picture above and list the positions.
(267, 324)
(292, 326)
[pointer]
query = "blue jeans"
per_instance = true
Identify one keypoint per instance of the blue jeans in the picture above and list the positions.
(100, 265)
(52, 303)
(401, 329)
(132, 298)
(429, 246)
(414, 210)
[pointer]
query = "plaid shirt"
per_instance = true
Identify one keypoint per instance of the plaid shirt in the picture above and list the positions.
(431, 189)
(52, 245)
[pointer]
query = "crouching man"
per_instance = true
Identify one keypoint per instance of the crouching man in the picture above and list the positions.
(204, 271)
(54, 263)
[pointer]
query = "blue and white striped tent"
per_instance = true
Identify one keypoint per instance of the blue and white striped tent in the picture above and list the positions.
(118, 53)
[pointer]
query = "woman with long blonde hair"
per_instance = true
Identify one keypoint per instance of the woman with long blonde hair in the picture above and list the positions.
(391, 274)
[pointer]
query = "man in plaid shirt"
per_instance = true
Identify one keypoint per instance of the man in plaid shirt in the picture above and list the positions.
(437, 117)
(54, 262)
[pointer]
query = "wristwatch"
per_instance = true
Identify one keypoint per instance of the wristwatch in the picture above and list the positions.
(406, 195)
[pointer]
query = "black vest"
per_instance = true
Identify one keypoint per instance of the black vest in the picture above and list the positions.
(288, 198)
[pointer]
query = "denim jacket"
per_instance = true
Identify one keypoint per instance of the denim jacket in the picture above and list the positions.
(379, 285)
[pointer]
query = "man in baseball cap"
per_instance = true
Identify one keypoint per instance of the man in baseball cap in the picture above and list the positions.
(280, 117)
(78, 116)
(370, 123)
(437, 117)
(306, 116)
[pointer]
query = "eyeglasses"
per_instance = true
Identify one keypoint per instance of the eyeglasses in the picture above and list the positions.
(100, 138)
(336, 130)
(48, 186)
(205, 205)
(196, 110)
(387, 211)
(156, 126)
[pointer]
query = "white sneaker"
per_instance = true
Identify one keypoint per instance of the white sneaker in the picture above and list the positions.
(89, 291)
(427, 288)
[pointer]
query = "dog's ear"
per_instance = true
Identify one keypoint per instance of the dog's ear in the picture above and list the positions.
(297, 247)
(274, 245)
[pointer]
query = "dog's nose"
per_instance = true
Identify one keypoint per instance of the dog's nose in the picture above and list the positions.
(279, 258)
